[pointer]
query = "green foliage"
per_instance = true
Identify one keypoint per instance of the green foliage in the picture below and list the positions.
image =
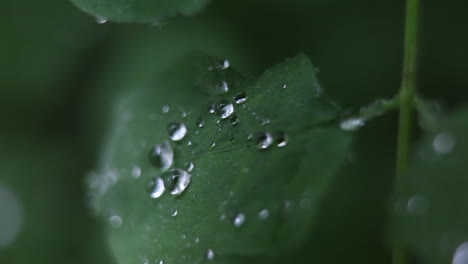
(142, 11)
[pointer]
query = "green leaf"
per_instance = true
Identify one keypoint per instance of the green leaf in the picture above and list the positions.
(141, 11)
(276, 190)
(431, 216)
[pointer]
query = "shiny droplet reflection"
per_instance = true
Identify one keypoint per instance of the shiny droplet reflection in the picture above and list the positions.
(177, 181)
(240, 98)
(224, 109)
(156, 188)
(115, 221)
(162, 155)
(136, 172)
(352, 124)
(443, 143)
(209, 255)
(264, 214)
(177, 131)
(461, 254)
(238, 220)
(222, 88)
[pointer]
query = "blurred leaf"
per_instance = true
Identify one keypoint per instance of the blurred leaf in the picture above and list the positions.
(141, 11)
(430, 216)
(232, 177)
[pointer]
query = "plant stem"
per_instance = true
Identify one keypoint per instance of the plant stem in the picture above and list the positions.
(406, 93)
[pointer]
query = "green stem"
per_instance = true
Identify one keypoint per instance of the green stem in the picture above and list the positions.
(406, 93)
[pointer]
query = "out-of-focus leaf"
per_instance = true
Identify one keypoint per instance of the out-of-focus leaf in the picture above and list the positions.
(431, 216)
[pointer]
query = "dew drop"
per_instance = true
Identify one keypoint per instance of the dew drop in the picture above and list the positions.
(165, 109)
(209, 255)
(443, 143)
(156, 188)
(263, 140)
(177, 131)
(174, 212)
(264, 214)
(461, 254)
(226, 64)
(200, 123)
(265, 121)
(280, 139)
(240, 98)
(284, 86)
(222, 217)
(417, 205)
(115, 221)
(352, 124)
(224, 109)
(239, 220)
(197, 240)
(234, 120)
(136, 172)
(184, 114)
(189, 166)
(177, 181)
(222, 88)
(213, 144)
(11, 216)
(162, 155)
(101, 20)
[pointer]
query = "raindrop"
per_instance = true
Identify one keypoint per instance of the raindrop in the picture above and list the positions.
(234, 120)
(461, 254)
(264, 214)
(209, 255)
(417, 205)
(222, 88)
(240, 98)
(280, 139)
(174, 212)
(115, 221)
(213, 144)
(165, 109)
(136, 172)
(226, 64)
(177, 131)
(443, 143)
(162, 155)
(211, 108)
(177, 181)
(239, 220)
(200, 123)
(224, 109)
(263, 140)
(189, 166)
(284, 86)
(101, 20)
(11, 216)
(184, 114)
(156, 187)
(352, 124)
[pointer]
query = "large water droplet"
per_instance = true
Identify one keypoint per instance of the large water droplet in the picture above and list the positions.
(11, 216)
(264, 214)
(352, 124)
(263, 140)
(240, 98)
(210, 255)
(115, 221)
(239, 220)
(222, 88)
(177, 131)
(443, 143)
(177, 181)
(461, 254)
(156, 188)
(417, 205)
(162, 155)
(224, 109)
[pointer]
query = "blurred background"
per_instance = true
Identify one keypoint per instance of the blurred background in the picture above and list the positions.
(54, 113)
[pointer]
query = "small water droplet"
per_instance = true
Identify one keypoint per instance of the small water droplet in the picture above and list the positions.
(115, 221)
(136, 172)
(156, 187)
(177, 131)
(174, 212)
(443, 143)
(263, 140)
(201, 123)
(417, 205)
(161, 262)
(280, 139)
(234, 120)
(222, 88)
(461, 254)
(239, 220)
(177, 181)
(162, 155)
(264, 214)
(284, 86)
(184, 114)
(165, 109)
(101, 20)
(240, 98)
(189, 166)
(224, 109)
(352, 124)
(197, 240)
(222, 217)
(265, 121)
(213, 144)
(183, 236)
(209, 255)
(226, 64)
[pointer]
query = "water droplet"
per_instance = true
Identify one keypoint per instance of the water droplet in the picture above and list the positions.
(183, 236)
(352, 124)
(284, 86)
(222, 88)
(101, 20)
(162, 155)
(174, 212)
(234, 120)
(189, 166)
(264, 214)
(161, 262)
(197, 240)
(443, 143)
(265, 121)
(224, 109)
(226, 64)
(184, 114)
(417, 205)
(165, 109)
(136, 172)
(239, 220)
(211, 108)
(213, 144)
(461, 254)
(209, 255)
(222, 217)
(177, 131)
(177, 181)
(11, 216)
(156, 187)
(280, 139)
(200, 123)
(263, 140)
(240, 98)
(115, 221)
